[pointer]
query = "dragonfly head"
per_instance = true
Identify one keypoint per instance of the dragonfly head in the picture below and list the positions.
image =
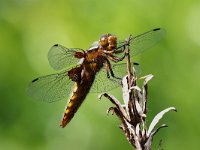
(108, 42)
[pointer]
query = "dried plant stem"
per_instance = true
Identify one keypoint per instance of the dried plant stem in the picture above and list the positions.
(133, 112)
(131, 104)
(128, 62)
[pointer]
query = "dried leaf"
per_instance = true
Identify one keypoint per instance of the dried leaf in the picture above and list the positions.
(157, 118)
(139, 109)
(147, 78)
(136, 88)
(155, 131)
(137, 130)
(125, 91)
(111, 110)
(150, 138)
(118, 105)
(144, 92)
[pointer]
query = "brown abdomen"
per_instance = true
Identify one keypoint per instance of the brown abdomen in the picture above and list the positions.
(76, 100)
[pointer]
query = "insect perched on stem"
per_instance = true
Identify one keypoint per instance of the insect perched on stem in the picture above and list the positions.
(93, 71)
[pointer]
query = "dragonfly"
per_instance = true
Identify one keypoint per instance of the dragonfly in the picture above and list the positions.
(92, 71)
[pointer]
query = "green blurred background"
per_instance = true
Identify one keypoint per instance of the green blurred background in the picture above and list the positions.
(28, 28)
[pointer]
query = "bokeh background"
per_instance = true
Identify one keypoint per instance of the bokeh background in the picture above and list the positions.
(28, 28)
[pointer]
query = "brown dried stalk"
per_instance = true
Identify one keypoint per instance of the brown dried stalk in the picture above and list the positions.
(133, 112)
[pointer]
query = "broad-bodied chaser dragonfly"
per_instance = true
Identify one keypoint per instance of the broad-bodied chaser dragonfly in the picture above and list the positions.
(93, 71)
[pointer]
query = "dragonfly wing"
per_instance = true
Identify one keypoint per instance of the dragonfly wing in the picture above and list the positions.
(137, 69)
(146, 40)
(50, 88)
(102, 83)
(61, 57)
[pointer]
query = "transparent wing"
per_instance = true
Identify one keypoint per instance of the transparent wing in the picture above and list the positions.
(137, 69)
(146, 40)
(103, 84)
(142, 42)
(61, 57)
(50, 88)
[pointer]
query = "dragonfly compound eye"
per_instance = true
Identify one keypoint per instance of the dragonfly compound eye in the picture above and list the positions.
(112, 40)
(104, 40)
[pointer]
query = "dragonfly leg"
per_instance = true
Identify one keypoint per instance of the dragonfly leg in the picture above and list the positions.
(107, 70)
(120, 49)
(109, 66)
(115, 58)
